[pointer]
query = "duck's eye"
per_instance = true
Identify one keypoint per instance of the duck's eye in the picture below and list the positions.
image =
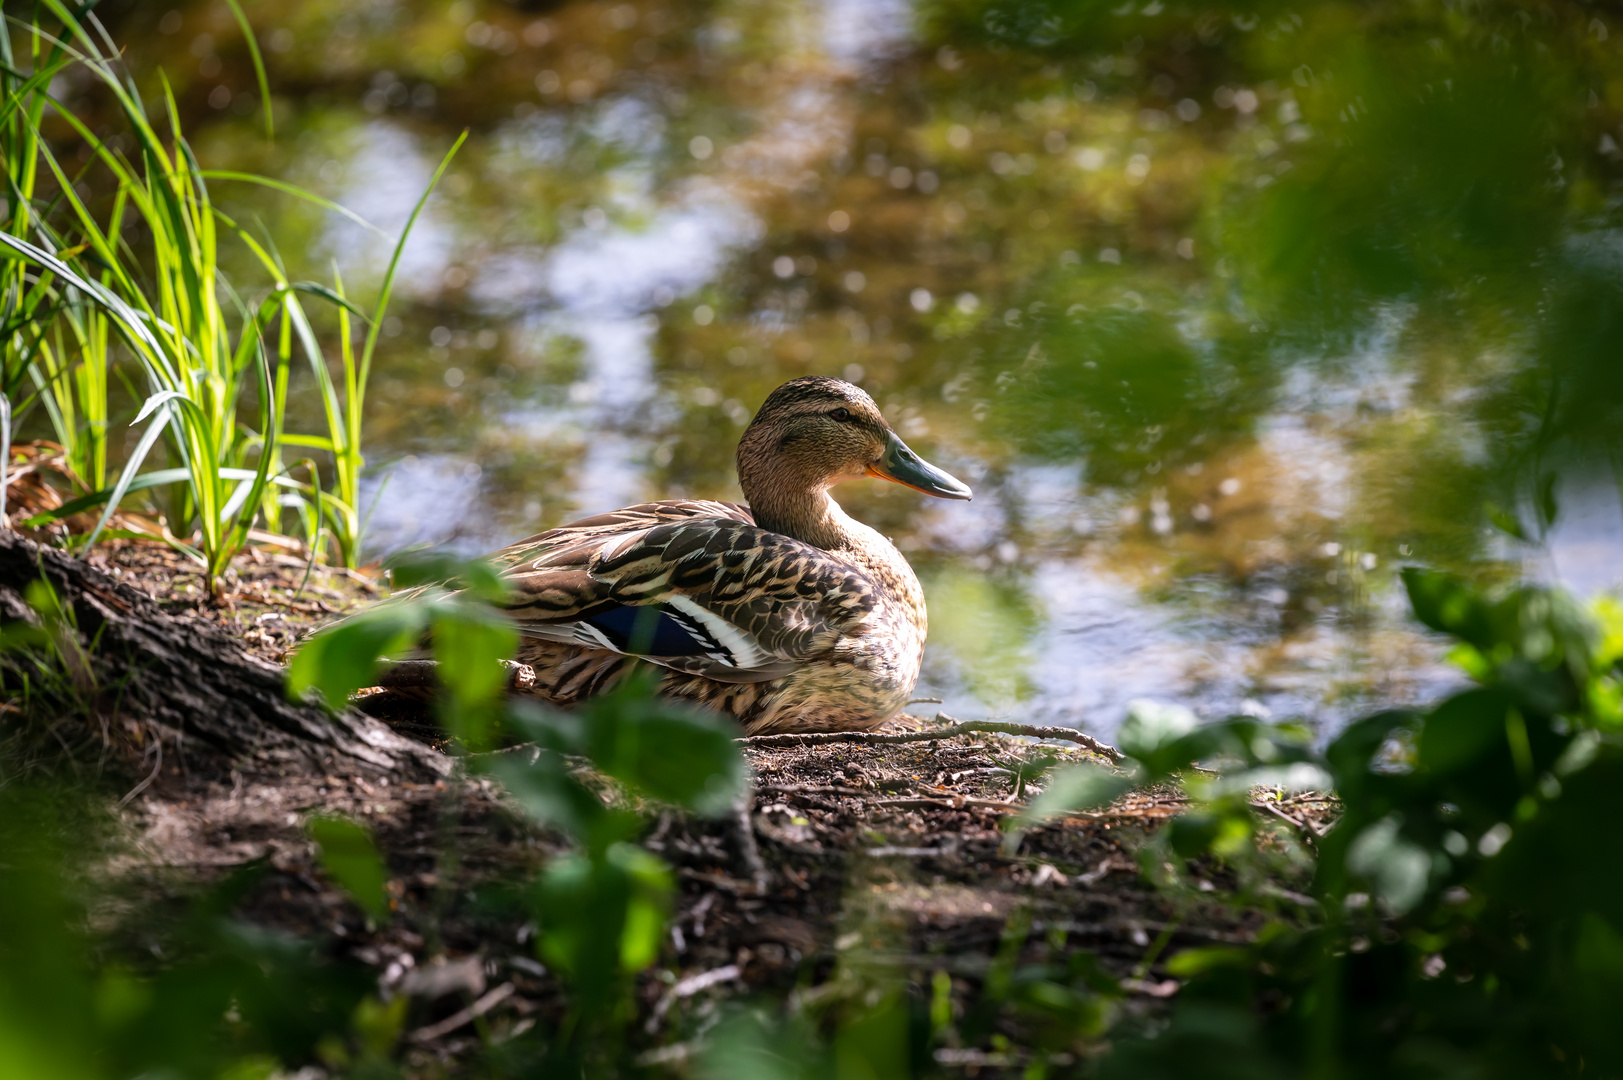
(842, 415)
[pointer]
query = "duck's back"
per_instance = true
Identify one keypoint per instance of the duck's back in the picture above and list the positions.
(617, 523)
(748, 621)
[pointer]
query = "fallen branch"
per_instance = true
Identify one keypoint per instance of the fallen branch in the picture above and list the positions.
(967, 727)
(465, 1016)
(812, 789)
(718, 881)
(958, 802)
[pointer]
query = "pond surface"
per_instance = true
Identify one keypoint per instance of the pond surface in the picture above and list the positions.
(663, 211)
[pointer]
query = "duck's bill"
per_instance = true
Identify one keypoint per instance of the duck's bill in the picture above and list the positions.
(902, 466)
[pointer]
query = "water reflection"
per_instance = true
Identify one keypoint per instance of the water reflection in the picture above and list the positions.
(1029, 251)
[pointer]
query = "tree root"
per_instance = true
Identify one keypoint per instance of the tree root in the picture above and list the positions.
(121, 664)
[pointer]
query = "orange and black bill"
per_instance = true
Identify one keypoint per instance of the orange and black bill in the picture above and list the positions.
(904, 467)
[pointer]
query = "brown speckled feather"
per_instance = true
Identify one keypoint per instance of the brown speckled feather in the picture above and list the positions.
(774, 603)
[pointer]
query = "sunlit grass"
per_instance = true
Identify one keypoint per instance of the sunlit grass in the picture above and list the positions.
(73, 283)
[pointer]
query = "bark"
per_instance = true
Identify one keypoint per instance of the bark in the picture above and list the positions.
(187, 682)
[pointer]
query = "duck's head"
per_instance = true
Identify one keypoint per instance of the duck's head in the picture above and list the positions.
(815, 432)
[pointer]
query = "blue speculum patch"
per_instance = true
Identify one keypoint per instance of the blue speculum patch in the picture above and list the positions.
(647, 631)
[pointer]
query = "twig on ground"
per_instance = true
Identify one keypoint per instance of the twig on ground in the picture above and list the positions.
(157, 744)
(748, 849)
(718, 881)
(1306, 828)
(464, 1016)
(1270, 889)
(687, 988)
(957, 803)
(909, 852)
(811, 789)
(968, 727)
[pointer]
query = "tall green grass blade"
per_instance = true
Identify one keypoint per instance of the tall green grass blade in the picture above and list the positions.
(298, 192)
(239, 496)
(387, 289)
(347, 458)
(138, 456)
(5, 456)
(259, 66)
(377, 499)
(344, 421)
(315, 288)
(156, 478)
(254, 491)
(132, 324)
(193, 337)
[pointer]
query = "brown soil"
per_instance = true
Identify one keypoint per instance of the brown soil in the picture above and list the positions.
(890, 861)
(868, 866)
(268, 602)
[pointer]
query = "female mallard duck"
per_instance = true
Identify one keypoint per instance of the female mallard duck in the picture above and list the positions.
(786, 614)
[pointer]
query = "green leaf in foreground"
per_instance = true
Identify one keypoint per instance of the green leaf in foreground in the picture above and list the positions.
(343, 658)
(1086, 787)
(351, 859)
(469, 641)
(1397, 869)
(664, 749)
(599, 915)
(660, 749)
(1152, 733)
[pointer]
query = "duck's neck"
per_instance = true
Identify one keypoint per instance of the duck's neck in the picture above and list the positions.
(808, 514)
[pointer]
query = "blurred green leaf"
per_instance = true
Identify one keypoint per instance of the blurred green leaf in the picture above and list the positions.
(1599, 948)
(1084, 787)
(663, 749)
(378, 1024)
(1446, 604)
(470, 640)
(603, 916)
(1192, 962)
(546, 791)
(1396, 868)
(351, 859)
(1506, 522)
(1155, 734)
(1548, 507)
(755, 1045)
(1193, 833)
(343, 658)
(428, 566)
(1463, 729)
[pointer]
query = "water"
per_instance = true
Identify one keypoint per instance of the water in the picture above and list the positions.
(663, 212)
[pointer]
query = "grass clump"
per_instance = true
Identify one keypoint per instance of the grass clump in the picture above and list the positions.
(209, 365)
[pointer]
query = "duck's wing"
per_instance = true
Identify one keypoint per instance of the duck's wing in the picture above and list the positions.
(695, 586)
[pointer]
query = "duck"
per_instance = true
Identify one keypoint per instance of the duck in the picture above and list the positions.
(783, 612)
